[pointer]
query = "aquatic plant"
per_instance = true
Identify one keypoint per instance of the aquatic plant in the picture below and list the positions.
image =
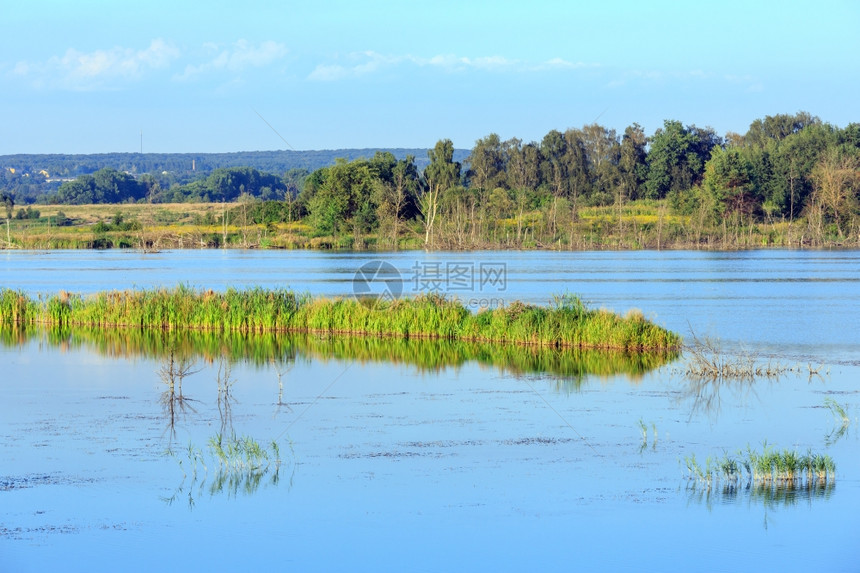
(771, 466)
(644, 429)
(568, 323)
(240, 464)
(16, 307)
(707, 360)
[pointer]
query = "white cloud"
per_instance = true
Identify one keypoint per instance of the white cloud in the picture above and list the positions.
(361, 63)
(561, 64)
(236, 58)
(83, 71)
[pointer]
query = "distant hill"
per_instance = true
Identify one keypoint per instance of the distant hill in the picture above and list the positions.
(278, 162)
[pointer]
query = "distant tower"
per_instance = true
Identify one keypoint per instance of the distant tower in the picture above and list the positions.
(193, 165)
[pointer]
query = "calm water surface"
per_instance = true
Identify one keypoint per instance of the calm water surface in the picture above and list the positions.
(457, 466)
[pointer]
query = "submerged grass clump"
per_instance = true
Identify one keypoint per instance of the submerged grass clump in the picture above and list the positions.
(240, 464)
(566, 323)
(708, 361)
(770, 467)
(243, 455)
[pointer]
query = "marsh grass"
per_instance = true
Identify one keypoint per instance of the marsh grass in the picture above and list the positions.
(769, 467)
(643, 430)
(707, 360)
(239, 464)
(243, 463)
(567, 323)
(16, 307)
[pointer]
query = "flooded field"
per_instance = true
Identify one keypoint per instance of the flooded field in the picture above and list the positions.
(189, 451)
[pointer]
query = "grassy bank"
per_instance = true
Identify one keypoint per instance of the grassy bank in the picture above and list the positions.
(567, 323)
(642, 224)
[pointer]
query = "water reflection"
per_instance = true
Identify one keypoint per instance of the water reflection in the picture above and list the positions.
(224, 380)
(705, 396)
(769, 495)
(174, 369)
(281, 349)
(239, 465)
(229, 464)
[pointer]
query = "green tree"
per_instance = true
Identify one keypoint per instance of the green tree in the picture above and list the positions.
(792, 160)
(9, 203)
(104, 186)
(396, 196)
(778, 127)
(676, 158)
(553, 149)
(487, 162)
(442, 174)
(631, 163)
(602, 152)
(577, 165)
(730, 181)
(523, 164)
(336, 205)
(836, 181)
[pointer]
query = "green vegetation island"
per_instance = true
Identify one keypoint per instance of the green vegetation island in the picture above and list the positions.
(565, 324)
(791, 180)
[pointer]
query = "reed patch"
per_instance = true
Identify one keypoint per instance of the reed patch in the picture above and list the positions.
(771, 466)
(567, 322)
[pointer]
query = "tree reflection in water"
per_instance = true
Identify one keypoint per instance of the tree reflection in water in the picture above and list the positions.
(173, 370)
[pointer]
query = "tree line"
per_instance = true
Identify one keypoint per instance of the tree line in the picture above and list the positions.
(34, 177)
(784, 167)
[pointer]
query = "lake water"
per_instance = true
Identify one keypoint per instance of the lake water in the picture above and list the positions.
(439, 458)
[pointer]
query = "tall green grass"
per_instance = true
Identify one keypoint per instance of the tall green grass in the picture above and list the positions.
(566, 323)
(770, 467)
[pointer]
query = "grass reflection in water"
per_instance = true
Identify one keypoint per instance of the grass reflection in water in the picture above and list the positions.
(572, 365)
(239, 464)
(771, 496)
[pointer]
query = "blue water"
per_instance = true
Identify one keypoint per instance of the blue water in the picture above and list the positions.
(468, 468)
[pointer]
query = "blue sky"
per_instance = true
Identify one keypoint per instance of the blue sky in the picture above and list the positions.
(88, 77)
